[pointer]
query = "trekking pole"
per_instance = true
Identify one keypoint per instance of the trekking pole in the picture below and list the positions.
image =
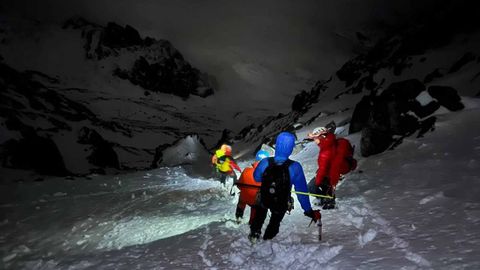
(312, 194)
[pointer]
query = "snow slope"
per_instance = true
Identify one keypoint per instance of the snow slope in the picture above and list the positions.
(416, 207)
(47, 63)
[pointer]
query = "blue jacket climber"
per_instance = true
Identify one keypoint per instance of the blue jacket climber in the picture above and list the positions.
(283, 149)
(267, 168)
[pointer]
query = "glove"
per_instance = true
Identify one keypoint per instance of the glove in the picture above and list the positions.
(314, 214)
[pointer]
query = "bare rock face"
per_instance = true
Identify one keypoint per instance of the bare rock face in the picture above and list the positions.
(404, 90)
(361, 114)
(31, 152)
(396, 114)
(447, 97)
(304, 99)
(116, 36)
(158, 66)
(169, 75)
(465, 59)
(189, 152)
(432, 75)
(34, 117)
(102, 153)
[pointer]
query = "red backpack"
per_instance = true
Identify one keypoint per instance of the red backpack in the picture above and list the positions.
(345, 152)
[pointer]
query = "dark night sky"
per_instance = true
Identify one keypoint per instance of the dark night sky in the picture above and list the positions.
(252, 48)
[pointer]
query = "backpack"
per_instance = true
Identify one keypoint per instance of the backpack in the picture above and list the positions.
(223, 163)
(276, 186)
(345, 148)
(222, 159)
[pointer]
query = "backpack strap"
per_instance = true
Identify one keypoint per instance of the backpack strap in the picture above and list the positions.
(271, 160)
(287, 163)
(223, 158)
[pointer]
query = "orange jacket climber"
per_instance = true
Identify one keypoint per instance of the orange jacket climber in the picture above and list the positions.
(249, 188)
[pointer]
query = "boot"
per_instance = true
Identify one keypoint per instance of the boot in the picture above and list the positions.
(329, 203)
(239, 215)
(253, 237)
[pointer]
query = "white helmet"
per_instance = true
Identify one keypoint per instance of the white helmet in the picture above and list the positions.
(317, 132)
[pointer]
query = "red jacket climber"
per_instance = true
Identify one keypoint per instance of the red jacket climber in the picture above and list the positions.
(334, 159)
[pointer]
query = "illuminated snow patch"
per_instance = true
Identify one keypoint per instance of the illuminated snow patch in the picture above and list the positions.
(141, 230)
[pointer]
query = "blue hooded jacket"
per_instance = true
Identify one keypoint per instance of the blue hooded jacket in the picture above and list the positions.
(283, 149)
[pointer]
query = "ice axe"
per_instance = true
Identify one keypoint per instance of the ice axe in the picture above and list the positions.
(319, 225)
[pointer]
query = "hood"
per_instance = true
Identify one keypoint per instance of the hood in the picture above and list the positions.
(284, 145)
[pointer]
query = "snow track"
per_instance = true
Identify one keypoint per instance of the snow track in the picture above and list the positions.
(402, 212)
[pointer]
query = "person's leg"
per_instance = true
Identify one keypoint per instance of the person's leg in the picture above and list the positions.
(274, 224)
(240, 209)
(311, 186)
(252, 214)
(324, 187)
(223, 178)
(329, 203)
(257, 223)
(233, 175)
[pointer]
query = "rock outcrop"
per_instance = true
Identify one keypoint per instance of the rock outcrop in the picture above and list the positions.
(102, 153)
(33, 116)
(157, 65)
(396, 112)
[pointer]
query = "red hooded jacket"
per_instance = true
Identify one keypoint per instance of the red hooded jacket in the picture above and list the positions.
(327, 152)
(333, 159)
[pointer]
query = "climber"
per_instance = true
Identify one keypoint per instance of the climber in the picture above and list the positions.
(334, 159)
(277, 174)
(225, 164)
(249, 188)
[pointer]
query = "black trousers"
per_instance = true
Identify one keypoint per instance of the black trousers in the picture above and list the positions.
(223, 177)
(325, 187)
(273, 225)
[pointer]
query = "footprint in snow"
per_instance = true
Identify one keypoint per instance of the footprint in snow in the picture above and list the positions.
(367, 237)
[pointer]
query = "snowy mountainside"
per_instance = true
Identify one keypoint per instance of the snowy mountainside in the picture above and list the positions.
(90, 119)
(387, 92)
(386, 216)
(158, 66)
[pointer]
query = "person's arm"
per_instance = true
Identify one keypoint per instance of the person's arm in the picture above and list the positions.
(323, 164)
(300, 183)
(214, 159)
(234, 165)
(257, 174)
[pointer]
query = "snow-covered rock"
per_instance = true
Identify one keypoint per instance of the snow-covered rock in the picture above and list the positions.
(158, 66)
(63, 112)
(189, 152)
